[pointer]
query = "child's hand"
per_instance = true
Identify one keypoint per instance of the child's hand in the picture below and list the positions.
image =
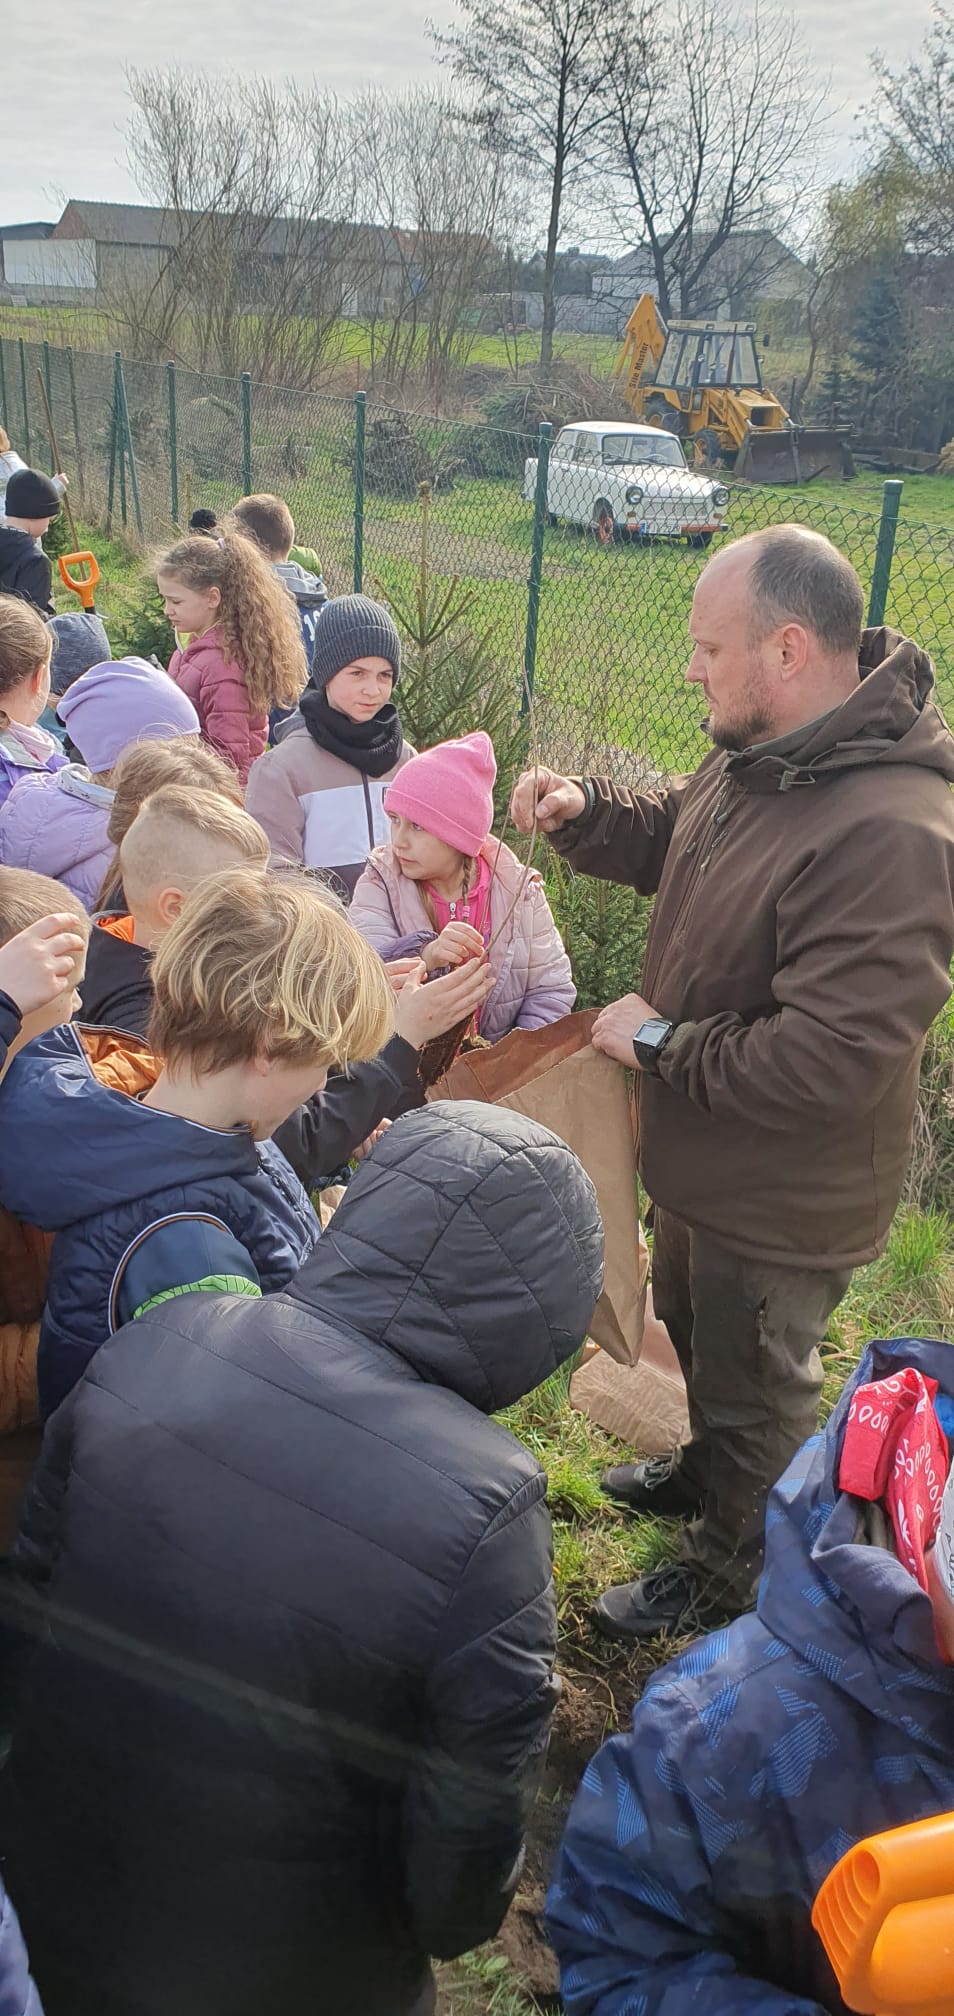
(426, 1012)
(62, 479)
(456, 943)
(365, 1148)
(400, 970)
(39, 962)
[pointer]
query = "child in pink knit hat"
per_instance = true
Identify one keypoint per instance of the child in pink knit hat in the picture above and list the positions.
(443, 887)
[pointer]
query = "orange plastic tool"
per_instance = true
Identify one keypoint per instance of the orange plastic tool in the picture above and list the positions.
(86, 586)
(885, 1917)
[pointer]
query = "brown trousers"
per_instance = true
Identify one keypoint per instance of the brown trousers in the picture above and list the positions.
(747, 1335)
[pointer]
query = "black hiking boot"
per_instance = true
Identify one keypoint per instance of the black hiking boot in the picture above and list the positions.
(666, 1604)
(655, 1486)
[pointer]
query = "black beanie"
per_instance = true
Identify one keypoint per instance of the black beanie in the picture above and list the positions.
(350, 627)
(30, 495)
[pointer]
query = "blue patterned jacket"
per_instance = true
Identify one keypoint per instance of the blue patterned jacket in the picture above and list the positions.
(696, 1845)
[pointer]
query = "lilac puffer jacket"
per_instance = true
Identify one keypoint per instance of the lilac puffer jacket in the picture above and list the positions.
(55, 823)
(533, 981)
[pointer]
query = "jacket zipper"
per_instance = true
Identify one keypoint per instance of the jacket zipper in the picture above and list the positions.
(720, 817)
(369, 813)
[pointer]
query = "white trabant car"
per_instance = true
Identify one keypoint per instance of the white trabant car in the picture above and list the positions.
(616, 478)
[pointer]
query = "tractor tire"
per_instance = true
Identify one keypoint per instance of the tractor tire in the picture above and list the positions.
(659, 413)
(603, 525)
(707, 448)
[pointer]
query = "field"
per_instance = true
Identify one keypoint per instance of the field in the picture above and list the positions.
(623, 594)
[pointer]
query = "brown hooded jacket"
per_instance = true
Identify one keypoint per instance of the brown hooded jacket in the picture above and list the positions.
(801, 940)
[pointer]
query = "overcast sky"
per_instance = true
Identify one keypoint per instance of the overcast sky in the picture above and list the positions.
(64, 103)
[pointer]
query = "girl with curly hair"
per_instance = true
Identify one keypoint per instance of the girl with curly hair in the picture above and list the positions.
(245, 653)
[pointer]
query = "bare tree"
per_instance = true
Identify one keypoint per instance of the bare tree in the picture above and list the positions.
(257, 189)
(916, 118)
(438, 196)
(541, 72)
(716, 135)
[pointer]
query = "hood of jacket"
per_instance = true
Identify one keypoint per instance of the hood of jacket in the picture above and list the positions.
(73, 1094)
(55, 820)
(891, 717)
(308, 589)
(470, 1244)
(847, 1607)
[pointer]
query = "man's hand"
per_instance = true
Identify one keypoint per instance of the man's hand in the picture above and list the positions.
(39, 962)
(456, 943)
(616, 1025)
(425, 1012)
(557, 800)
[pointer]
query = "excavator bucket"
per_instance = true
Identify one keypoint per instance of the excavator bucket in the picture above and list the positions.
(793, 455)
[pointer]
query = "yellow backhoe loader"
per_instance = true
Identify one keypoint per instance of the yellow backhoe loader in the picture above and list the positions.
(702, 381)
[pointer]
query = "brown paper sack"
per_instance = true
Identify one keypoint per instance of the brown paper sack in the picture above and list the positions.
(554, 1075)
(644, 1404)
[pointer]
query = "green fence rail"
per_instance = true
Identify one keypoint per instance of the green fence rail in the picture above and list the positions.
(581, 576)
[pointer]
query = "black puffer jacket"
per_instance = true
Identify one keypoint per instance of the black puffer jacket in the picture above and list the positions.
(278, 1745)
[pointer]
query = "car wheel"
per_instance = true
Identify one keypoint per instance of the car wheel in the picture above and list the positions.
(552, 519)
(604, 524)
(698, 538)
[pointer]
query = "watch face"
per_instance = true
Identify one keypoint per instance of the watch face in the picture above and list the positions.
(654, 1031)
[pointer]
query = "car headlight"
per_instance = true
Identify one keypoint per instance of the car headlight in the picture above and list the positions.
(634, 494)
(720, 496)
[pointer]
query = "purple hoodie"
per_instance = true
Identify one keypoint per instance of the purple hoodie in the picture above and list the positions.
(55, 823)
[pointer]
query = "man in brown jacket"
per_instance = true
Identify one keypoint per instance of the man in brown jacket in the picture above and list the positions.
(799, 949)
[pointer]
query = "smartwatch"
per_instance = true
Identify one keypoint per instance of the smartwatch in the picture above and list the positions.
(650, 1041)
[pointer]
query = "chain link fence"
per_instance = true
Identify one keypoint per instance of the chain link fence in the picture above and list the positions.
(578, 558)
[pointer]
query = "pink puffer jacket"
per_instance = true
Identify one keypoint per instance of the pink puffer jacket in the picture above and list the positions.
(533, 981)
(216, 687)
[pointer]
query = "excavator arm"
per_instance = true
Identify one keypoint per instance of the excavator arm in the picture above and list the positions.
(643, 344)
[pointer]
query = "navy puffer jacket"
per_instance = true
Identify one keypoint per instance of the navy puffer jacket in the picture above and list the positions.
(83, 1159)
(280, 1741)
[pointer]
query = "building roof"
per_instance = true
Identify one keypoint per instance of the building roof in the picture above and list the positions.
(27, 230)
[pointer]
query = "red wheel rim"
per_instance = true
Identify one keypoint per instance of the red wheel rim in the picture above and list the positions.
(605, 529)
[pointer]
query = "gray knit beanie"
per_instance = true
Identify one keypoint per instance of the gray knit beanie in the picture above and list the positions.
(79, 641)
(351, 627)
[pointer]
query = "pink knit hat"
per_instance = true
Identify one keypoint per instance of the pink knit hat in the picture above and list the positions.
(449, 791)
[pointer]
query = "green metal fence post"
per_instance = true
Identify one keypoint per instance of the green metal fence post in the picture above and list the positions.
(130, 451)
(246, 434)
(77, 442)
(113, 444)
(4, 414)
(23, 395)
(360, 404)
(535, 578)
(120, 426)
(887, 530)
(48, 382)
(173, 443)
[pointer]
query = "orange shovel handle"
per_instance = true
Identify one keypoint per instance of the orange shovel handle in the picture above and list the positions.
(85, 586)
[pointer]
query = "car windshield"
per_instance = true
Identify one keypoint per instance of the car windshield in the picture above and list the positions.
(664, 452)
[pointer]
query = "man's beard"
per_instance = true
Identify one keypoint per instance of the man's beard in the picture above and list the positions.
(752, 723)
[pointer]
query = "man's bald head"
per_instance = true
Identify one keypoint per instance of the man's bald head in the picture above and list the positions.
(795, 575)
(776, 625)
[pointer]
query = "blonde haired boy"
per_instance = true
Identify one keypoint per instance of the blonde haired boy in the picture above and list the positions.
(154, 1169)
(178, 837)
